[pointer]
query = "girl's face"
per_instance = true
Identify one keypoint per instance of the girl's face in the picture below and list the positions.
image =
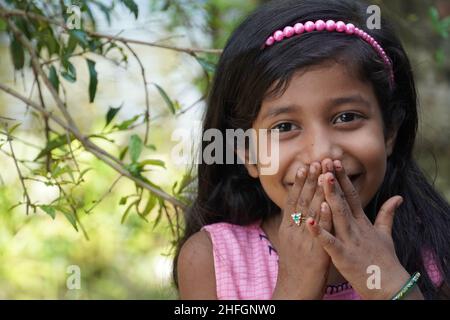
(326, 112)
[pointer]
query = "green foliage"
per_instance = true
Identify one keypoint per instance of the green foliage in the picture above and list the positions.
(131, 5)
(17, 53)
(92, 80)
(173, 106)
(53, 77)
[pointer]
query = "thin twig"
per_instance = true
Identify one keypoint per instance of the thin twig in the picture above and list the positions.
(48, 156)
(97, 202)
(20, 140)
(147, 102)
(22, 181)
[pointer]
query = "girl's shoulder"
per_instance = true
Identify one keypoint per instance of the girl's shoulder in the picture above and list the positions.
(195, 268)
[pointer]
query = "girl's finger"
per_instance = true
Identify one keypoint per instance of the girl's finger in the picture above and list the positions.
(385, 217)
(341, 213)
(349, 190)
(330, 243)
(294, 193)
(309, 188)
(324, 218)
(314, 207)
(327, 165)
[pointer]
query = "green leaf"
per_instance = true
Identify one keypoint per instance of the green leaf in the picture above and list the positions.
(106, 10)
(131, 5)
(151, 147)
(434, 14)
(158, 217)
(47, 38)
(71, 45)
(92, 80)
(152, 162)
(70, 73)
(123, 153)
(151, 202)
(206, 65)
(71, 218)
(123, 201)
(127, 211)
(53, 77)
(166, 98)
(49, 210)
(58, 142)
(135, 147)
(14, 127)
(83, 172)
(127, 123)
(57, 170)
(17, 53)
(80, 36)
(112, 112)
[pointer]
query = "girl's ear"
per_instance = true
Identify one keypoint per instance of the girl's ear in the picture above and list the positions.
(390, 142)
(251, 167)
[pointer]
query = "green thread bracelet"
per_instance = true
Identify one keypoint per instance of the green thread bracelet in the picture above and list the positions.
(407, 287)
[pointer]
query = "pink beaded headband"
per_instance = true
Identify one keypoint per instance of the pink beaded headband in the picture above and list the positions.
(331, 26)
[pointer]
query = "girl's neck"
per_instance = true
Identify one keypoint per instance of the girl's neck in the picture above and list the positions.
(271, 225)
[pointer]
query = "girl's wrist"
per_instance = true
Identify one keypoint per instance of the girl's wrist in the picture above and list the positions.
(393, 284)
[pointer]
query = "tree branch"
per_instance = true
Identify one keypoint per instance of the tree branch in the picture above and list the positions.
(94, 149)
(16, 12)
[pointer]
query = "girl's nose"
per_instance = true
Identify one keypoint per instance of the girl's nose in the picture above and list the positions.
(320, 144)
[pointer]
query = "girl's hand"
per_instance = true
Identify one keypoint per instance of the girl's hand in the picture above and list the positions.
(357, 244)
(303, 264)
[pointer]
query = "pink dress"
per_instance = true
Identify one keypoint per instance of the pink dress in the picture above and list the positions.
(246, 265)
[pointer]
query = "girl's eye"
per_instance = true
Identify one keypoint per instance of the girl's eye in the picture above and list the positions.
(283, 127)
(349, 116)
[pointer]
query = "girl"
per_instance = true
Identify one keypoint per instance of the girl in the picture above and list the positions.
(328, 224)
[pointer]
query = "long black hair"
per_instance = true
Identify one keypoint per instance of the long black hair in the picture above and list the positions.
(245, 76)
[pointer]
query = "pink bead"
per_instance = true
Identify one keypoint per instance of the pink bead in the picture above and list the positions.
(350, 28)
(278, 35)
(270, 41)
(299, 28)
(340, 26)
(331, 25)
(288, 32)
(310, 26)
(320, 25)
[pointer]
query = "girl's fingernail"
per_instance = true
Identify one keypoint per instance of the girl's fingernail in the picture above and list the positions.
(330, 166)
(320, 180)
(331, 181)
(312, 222)
(337, 165)
(323, 207)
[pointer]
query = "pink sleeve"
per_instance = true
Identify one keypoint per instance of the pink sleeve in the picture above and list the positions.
(432, 268)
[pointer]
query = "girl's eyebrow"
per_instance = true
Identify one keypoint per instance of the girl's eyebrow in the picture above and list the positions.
(332, 103)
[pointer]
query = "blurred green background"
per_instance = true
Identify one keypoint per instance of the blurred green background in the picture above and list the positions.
(133, 260)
